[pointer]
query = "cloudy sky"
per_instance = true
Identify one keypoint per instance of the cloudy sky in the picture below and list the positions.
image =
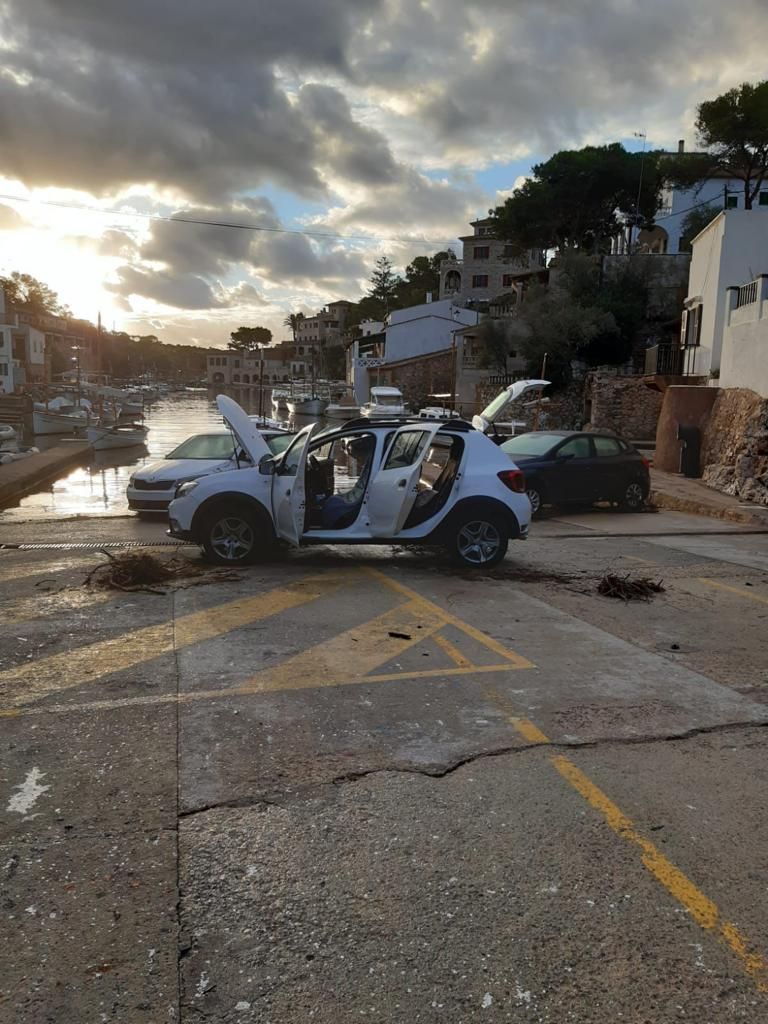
(388, 122)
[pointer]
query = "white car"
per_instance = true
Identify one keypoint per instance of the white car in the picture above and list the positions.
(152, 488)
(367, 482)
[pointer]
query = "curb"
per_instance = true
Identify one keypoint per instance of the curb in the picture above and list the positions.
(673, 503)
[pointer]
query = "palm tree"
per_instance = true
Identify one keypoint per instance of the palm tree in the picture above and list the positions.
(293, 320)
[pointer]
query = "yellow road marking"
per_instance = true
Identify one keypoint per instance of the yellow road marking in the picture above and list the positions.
(87, 664)
(24, 571)
(703, 910)
(636, 558)
(429, 606)
(243, 691)
(453, 652)
(351, 655)
(733, 590)
(45, 603)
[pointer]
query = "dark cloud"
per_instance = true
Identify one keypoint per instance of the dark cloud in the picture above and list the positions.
(183, 291)
(117, 243)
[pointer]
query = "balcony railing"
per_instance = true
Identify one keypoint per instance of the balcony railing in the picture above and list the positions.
(748, 293)
(664, 360)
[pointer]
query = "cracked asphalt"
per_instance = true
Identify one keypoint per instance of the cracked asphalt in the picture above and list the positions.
(357, 785)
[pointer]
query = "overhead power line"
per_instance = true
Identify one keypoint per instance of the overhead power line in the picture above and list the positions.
(225, 224)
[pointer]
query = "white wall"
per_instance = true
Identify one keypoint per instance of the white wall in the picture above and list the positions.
(730, 251)
(35, 346)
(429, 327)
(744, 362)
(683, 199)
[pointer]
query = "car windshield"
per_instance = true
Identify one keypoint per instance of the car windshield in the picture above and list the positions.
(530, 444)
(205, 446)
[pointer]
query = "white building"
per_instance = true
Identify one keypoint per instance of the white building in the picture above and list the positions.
(726, 254)
(407, 334)
(277, 364)
(22, 352)
(744, 356)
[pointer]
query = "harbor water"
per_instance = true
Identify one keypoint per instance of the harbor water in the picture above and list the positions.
(98, 487)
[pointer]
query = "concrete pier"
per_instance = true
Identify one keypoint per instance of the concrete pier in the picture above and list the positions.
(19, 478)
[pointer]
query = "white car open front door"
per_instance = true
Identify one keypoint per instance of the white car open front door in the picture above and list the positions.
(392, 492)
(289, 487)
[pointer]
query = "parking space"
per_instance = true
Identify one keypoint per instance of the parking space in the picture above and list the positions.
(346, 785)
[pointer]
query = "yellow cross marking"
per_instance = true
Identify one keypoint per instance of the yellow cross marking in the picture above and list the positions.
(733, 590)
(36, 679)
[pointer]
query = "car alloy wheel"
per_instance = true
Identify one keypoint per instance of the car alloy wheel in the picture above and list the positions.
(232, 539)
(634, 496)
(534, 497)
(478, 542)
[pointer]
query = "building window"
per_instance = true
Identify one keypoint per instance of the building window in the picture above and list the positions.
(301, 350)
(763, 200)
(482, 252)
(731, 202)
(691, 326)
(236, 378)
(480, 281)
(237, 364)
(509, 251)
(3, 369)
(506, 281)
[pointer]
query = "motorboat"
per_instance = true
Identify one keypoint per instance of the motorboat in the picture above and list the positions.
(7, 437)
(103, 437)
(307, 405)
(437, 412)
(280, 398)
(340, 411)
(385, 402)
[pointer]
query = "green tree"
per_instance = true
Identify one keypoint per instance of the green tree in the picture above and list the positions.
(246, 339)
(493, 344)
(734, 129)
(384, 283)
(580, 199)
(422, 276)
(694, 222)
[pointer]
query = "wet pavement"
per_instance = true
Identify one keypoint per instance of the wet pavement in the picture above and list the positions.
(357, 784)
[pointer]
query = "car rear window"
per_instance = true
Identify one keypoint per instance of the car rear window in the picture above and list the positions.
(530, 444)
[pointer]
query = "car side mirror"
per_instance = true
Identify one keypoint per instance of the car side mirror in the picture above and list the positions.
(267, 465)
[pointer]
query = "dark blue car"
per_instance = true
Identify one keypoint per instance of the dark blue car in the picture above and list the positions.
(565, 467)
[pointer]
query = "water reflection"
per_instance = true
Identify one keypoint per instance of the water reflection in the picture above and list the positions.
(98, 488)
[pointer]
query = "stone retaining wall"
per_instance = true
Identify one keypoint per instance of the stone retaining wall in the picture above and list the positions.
(735, 445)
(623, 404)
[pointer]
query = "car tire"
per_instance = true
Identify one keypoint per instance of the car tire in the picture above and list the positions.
(479, 540)
(233, 535)
(634, 496)
(536, 498)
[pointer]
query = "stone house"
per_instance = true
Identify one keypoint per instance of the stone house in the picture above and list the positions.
(486, 268)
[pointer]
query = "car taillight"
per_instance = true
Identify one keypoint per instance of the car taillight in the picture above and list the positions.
(514, 479)
(646, 462)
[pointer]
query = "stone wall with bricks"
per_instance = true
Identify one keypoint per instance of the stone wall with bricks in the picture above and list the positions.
(418, 378)
(622, 404)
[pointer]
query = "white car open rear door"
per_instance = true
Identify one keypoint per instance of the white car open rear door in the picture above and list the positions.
(392, 492)
(492, 413)
(289, 487)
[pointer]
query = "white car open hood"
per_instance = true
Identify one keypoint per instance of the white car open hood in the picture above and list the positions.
(492, 412)
(243, 428)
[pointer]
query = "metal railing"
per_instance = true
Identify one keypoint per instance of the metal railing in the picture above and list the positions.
(665, 360)
(747, 294)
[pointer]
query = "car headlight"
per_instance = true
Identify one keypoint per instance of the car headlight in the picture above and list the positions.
(183, 490)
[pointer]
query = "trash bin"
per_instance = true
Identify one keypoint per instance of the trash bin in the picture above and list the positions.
(690, 450)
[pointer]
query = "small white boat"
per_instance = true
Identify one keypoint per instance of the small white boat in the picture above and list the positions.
(119, 436)
(386, 402)
(307, 405)
(48, 421)
(436, 412)
(280, 398)
(7, 457)
(7, 435)
(339, 411)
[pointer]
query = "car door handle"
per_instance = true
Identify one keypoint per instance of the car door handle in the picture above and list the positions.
(288, 493)
(402, 483)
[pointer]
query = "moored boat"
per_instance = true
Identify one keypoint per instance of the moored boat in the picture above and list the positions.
(126, 435)
(50, 421)
(385, 402)
(307, 405)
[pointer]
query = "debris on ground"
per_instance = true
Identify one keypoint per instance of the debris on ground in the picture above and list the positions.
(625, 588)
(133, 571)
